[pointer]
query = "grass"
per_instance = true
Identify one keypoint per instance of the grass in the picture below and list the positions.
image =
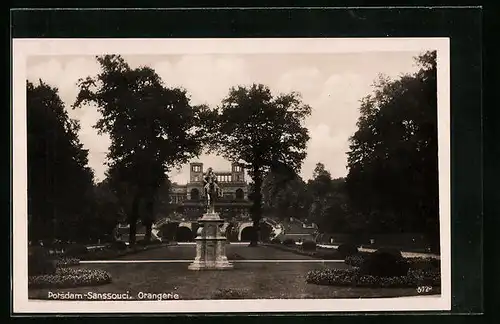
(249, 280)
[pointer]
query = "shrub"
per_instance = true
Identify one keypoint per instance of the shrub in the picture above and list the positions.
(347, 249)
(67, 262)
(70, 277)
(353, 278)
(118, 245)
(289, 242)
(309, 246)
(40, 262)
(276, 240)
(328, 254)
(385, 263)
(423, 263)
(355, 260)
(230, 293)
(75, 250)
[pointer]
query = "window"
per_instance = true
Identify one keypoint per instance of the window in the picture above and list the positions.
(196, 168)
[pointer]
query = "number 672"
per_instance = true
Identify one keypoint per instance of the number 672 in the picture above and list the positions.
(424, 289)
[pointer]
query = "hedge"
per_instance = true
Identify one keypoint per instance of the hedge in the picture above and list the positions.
(353, 278)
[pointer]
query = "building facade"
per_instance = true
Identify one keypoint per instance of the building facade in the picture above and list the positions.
(189, 199)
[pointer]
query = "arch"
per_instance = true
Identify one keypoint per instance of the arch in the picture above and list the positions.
(240, 194)
(247, 233)
(184, 234)
(195, 194)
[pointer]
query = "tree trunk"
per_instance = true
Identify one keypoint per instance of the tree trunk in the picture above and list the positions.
(134, 216)
(257, 205)
(147, 236)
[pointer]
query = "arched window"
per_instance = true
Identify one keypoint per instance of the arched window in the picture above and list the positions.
(240, 194)
(195, 194)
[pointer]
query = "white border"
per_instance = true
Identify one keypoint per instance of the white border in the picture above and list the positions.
(22, 48)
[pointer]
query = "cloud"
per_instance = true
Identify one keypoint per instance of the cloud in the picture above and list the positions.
(206, 78)
(306, 80)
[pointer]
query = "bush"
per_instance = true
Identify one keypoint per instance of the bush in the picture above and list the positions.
(118, 245)
(347, 249)
(67, 262)
(413, 263)
(353, 278)
(230, 293)
(289, 242)
(355, 260)
(75, 250)
(70, 277)
(385, 263)
(309, 246)
(276, 240)
(40, 262)
(328, 254)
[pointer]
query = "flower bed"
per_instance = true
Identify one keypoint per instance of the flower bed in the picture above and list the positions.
(70, 277)
(230, 293)
(352, 278)
(67, 262)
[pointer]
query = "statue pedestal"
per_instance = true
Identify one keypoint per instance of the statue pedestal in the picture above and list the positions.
(210, 245)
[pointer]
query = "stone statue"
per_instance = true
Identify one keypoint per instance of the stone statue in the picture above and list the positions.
(212, 189)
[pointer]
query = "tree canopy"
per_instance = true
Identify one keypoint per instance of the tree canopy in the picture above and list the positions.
(60, 183)
(262, 132)
(152, 129)
(393, 161)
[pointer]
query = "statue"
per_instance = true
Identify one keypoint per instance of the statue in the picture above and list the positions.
(212, 189)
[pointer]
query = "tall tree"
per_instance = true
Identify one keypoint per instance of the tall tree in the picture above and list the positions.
(262, 132)
(60, 183)
(285, 196)
(393, 161)
(152, 129)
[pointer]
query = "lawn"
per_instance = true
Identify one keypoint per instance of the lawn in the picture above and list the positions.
(253, 279)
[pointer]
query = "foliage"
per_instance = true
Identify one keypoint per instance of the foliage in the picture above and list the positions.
(60, 183)
(276, 241)
(384, 264)
(309, 246)
(230, 293)
(357, 260)
(347, 250)
(285, 195)
(393, 161)
(262, 133)
(118, 245)
(67, 262)
(152, 129)
(353, 278)
(75, 250)
(40, 262)
(70, 277)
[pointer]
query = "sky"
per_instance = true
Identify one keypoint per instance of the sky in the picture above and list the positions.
(332, 84)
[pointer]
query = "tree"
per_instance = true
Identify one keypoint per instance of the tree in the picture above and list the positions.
(262, 132)
(285, 196)
(393, 161)
(60, 183)
(152, 129)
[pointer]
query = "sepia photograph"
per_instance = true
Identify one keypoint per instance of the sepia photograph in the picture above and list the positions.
(231, 175)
